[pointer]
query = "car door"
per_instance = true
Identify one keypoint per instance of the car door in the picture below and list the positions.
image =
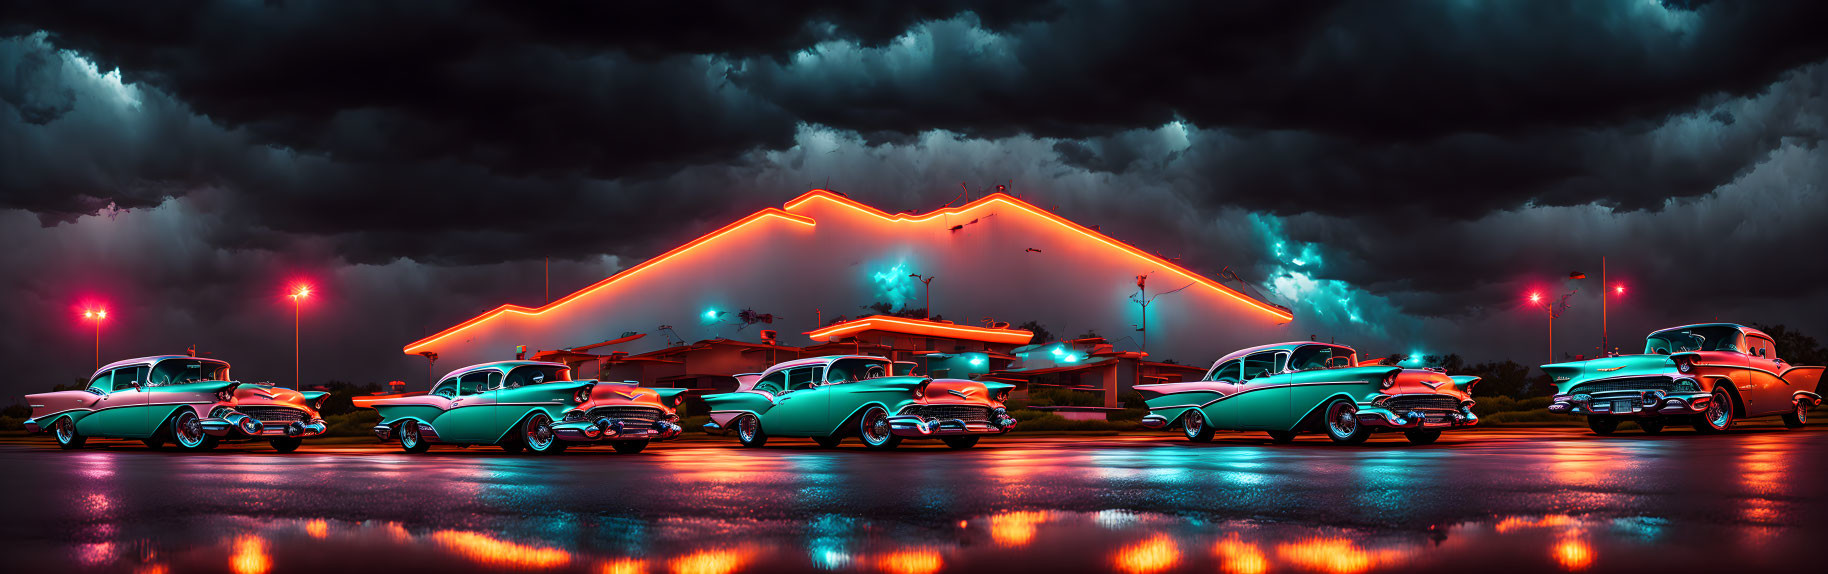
(1265, 395)
(1768, 393)
(802, 407)
(106, 419)
(471, 416)
(1227, 379)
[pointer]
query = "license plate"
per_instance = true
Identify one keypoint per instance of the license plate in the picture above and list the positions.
(1621, 406)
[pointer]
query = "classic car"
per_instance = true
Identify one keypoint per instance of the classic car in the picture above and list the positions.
(189, 401)
(1709, 375)
(1288, 388)
(529, 405)
(829, 398)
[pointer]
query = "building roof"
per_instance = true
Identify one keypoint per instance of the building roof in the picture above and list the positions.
(1003, 203)
(921, 327)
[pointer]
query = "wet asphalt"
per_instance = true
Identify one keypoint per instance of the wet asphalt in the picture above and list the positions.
(1523, 500)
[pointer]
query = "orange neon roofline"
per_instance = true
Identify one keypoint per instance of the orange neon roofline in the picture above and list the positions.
(1275, 311)
(921, 327)
(769, 213)
(783, 213)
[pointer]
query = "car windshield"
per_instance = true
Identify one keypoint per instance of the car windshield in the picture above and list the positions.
(1709, 338)
(535, 374)
(847, 370)
(180, 371)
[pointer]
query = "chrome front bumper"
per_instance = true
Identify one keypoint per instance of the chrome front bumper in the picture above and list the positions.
(1375, 416)
(234, 424)
(1642, 403)
(607, 429)
(916, 426)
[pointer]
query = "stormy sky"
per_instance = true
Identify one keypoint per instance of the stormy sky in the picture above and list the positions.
(1402, 174)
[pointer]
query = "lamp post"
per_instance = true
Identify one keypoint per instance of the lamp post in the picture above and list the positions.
(926, 305)
(1555, 307)
(1606, 292)
(298, 296)
(97, 315)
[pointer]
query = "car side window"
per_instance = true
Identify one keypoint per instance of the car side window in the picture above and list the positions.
(1226, 373)
(102, 383)
(473, 383)
(1259, 365)
(775, 383)
(1761, 348)
(800, 378)
(125, 377)
(1281, 362)
(446, 388)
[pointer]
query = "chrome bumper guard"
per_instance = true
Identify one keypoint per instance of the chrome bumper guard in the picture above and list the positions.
(607, 429)
(916, 426)
(384, 431)
(1412, 420)
(1643, 403)
(1154, 421)
(233, 421)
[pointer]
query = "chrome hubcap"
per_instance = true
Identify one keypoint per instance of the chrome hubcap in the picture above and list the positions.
(188, 429)
(745, 429)
(1719, 412)
(409, 434)
(876, 426)
(65, 431)
(1194, 423)
(1343, 419)
(539, 432)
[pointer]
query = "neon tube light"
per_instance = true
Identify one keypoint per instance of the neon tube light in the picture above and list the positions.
(921, 327)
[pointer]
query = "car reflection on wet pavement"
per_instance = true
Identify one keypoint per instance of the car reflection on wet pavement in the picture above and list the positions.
(1490, 500)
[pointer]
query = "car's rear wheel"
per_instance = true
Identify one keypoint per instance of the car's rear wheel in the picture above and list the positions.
(67, 437)
(187, 430)
(1194, 427)
(1799, 415)
(1652, 426)
(749, 431)
(1422, 436)
(1281, 436)
(629, 446)
(410, 440)
(1602, 425)
(1719, 414)
(288, 444)
(873, 428)
(1342, 422)
(960, 442)
(828, 441)
(537, 434)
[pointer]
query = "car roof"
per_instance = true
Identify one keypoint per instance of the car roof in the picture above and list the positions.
(499, 365)
(150, 360)
(818, 361)
(1741, 328)
(1288, 346)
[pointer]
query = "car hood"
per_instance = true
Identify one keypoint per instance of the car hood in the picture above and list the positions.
(957, 392)
(1620, 366)
(268, 395)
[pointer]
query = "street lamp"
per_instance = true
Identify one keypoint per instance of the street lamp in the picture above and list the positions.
(299, 293)
(1555, 307)
(926, 305)
(97, 315)
(1605, 293)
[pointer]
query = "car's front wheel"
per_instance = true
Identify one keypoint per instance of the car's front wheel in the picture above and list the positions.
(1799, 415)
(873, 428)
(537, 434)
(749, 431)
(1719, 414)
(67, 437)
(288, 444)
(960, 442)
(1602, 425)
(1422, 436)
(1194, 427)
(410, 440)
(1342, 422)
(187, 430)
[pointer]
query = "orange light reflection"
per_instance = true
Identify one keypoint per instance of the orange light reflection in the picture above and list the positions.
(500, 553)
(910, 562)
(711, 561)
(1574, 554)
(250, 556)
(623, 566)
(1016, 529)
(1155, 554)
(1239, 557)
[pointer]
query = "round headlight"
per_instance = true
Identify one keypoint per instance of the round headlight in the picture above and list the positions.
(1389, 381)
(225, 395)
(1685, 365)
(582, 396)
(920, 392)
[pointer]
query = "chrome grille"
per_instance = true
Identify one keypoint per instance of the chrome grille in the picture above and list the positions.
(948, 412)
(644, 415)
(1638, 384)
(273, 414)
(1406, 402)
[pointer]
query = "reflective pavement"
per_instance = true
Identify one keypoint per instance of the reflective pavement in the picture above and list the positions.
(1495, 500)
